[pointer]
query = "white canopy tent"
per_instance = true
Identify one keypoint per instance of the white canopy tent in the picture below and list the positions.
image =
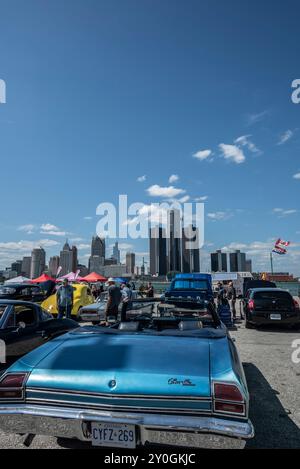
(19, 279)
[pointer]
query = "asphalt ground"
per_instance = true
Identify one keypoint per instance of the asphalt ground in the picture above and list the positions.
(274, 386)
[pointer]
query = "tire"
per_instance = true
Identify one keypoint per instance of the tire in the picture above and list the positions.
(248, 325)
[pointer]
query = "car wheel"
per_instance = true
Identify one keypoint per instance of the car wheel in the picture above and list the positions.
(248, 325)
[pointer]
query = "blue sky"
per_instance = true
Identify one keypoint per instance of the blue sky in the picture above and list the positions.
(100, 93)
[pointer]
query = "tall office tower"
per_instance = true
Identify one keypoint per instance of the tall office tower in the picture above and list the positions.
(98, 246)
(17, 267)
(53, 265)
(38, 262)
(190, 250)
(66, 259)
(158, 251)
(130, 262)
(74, 258)
(26, 266)
(218, 261)
(96, 264)
(174, 240)
(237, 261)
(116, 252)
(248, 266)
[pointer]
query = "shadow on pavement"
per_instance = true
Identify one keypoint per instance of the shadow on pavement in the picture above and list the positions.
(272, 423)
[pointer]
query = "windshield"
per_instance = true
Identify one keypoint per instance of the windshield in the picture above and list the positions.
(190, 285)
(272, 295)
(2, 311)
(7, 290)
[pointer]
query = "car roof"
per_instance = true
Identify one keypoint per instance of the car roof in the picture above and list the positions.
(15, 285)
(18, 303)
(267, 289)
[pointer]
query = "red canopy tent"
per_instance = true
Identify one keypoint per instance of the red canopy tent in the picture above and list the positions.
(43, 278)
(93, 277)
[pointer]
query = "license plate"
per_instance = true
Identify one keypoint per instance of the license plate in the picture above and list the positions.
(275, 317)
(116, 435)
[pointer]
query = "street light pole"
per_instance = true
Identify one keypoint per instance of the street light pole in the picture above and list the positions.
(271, 259)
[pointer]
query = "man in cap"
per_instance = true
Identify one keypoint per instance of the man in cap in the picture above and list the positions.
(114, 299)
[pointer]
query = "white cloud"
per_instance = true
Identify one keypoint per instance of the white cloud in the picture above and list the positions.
(29, 229)
(173, 178)
(244, 141)
(203, 155)
(283, 213)
(87, 218)
(52, 230)
(27, 246)
(255, 118)
(82, 247)
(285, 137)
(296, 176)
(201, 199)
(232, 153)
(167, 192)
(218, 216)
(142, 178)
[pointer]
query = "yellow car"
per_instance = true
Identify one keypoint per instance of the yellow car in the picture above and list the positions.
(82, 297)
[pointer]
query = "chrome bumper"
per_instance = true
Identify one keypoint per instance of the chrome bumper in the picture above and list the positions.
(202, 432)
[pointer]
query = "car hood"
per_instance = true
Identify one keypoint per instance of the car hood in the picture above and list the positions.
(125, 364)
(94, 307)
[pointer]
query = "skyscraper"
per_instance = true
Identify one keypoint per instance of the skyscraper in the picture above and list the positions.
(26, 266)
(174, 240)
(53, 265)
(158, 251)
(130, 262)
(190, 250)
(17, 267)
(74, 258)
(38, 262)
(218, 261)
(98, 247)
(116, 252)
(237, 261)
(66, 259)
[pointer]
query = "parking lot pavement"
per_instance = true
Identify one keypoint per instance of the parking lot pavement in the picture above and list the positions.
(274, 385)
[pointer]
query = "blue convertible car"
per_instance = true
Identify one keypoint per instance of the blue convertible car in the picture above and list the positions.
(173, 378)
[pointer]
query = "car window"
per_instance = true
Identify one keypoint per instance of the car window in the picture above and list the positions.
(272, 295)
(2, 310)
(190, 285)
(44, 315)
(24, 314)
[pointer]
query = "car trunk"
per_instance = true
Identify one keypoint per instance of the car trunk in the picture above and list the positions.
(139, 370)
(273, 301)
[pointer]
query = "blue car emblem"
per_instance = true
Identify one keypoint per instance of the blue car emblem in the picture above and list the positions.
(112, 383)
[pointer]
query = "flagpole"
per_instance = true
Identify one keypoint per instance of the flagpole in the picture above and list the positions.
(271, 259)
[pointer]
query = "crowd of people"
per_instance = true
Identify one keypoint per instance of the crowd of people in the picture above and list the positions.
(226, 296)
(116, 295)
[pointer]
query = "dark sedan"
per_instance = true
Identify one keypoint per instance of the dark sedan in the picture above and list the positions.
(23, 292)
(265, 306)
(25, 326)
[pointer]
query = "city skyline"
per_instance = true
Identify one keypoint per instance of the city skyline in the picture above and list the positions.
(201, 111)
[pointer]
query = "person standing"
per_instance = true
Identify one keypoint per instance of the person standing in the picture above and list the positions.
(231, 296)
(113, 301)
(150, 291)
(65, 299)
(126, 300)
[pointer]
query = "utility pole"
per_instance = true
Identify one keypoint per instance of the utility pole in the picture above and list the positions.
(271, 260)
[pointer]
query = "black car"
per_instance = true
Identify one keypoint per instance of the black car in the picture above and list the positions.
(25, 326)
(251, 284)
(23, 292)
(264, 306)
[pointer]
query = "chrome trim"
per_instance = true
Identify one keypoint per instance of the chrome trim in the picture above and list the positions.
(107, 407)
(119, 396)
(72, 423)
(244, 402)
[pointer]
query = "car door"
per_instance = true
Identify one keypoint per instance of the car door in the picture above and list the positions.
(21, 330)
